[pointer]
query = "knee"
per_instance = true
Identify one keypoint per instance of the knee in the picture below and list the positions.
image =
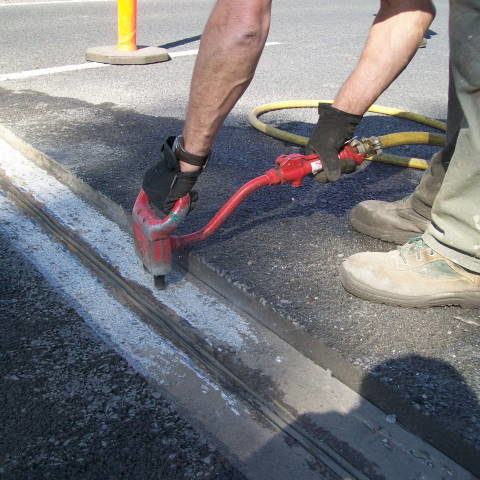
(246, 23)
(251, 34)
(424, 8)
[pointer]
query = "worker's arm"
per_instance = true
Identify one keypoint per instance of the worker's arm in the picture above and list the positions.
(231, 45)
(393, 39)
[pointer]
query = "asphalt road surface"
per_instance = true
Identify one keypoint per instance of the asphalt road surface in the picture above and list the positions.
(71, 407)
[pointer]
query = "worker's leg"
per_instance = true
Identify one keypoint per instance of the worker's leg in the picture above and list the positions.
(402, 219)
(455, 228)
(443, 267)
(408, 217)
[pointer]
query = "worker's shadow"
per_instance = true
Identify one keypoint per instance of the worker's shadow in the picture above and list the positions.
(426, 396)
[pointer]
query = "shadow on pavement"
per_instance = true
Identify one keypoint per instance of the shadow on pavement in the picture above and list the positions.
(346, 432)
(183, 41)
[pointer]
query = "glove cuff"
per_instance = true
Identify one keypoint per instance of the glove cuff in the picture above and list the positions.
(328, 110)
(187, 157)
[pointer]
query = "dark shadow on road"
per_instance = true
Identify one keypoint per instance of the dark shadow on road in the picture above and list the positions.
(425, 410)
(183, 41)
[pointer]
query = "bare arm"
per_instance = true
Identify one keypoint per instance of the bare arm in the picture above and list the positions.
(392, 42)
(234, 38)
(231, 46)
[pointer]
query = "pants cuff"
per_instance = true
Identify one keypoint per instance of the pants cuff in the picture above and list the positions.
(462, 259)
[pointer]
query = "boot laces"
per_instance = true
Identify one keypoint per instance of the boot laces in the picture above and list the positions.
(415, 246)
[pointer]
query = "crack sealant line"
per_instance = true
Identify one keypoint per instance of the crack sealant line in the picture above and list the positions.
(148, 353)
(40, 72)
(203, 311)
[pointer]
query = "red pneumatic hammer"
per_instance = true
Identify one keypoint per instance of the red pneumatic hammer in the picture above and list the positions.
(154, 238)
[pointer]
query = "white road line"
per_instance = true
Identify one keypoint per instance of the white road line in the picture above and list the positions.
(85, 66)
(186, 53)
(53, 2)
(183, 53)
(48, 71)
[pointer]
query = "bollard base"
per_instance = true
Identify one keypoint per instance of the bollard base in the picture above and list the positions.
(141, 56)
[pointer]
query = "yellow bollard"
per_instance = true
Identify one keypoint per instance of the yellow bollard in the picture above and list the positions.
(127, 25)
(126, 52)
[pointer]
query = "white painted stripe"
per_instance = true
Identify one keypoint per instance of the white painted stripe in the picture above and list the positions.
(218, 321)
(85, 66)
(53, 2)
(151, 355)
(48, 71)
(183, 53)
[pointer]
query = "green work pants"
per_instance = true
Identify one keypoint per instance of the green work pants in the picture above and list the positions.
(454, 231)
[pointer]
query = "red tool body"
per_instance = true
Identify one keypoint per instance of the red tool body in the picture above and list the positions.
(154, 239)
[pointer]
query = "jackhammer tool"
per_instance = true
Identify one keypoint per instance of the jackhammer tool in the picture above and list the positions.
(154, 238)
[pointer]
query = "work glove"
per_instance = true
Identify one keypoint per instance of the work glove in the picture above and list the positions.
(164, 183)
(333, 129)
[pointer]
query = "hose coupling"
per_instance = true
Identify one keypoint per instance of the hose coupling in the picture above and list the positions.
(370, 146)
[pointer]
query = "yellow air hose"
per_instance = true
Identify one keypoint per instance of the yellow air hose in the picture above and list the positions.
(390, 140)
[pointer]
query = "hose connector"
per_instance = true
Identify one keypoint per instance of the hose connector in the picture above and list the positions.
(370, 146)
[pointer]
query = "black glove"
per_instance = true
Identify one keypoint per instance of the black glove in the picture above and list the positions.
(333, 129)
(164, 183)
(347, 165)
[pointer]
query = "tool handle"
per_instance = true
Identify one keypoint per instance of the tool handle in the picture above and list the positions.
(228, 208)
(152, 225)
(291, 169)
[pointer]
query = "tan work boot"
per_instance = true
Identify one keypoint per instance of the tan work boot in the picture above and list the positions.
(399, 221)
(411, 276)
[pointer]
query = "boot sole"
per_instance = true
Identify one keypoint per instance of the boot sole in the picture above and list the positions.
(398, 237)
(466, 300)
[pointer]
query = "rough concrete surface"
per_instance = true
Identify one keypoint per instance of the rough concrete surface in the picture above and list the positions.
(283, 246)
(71, 407)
